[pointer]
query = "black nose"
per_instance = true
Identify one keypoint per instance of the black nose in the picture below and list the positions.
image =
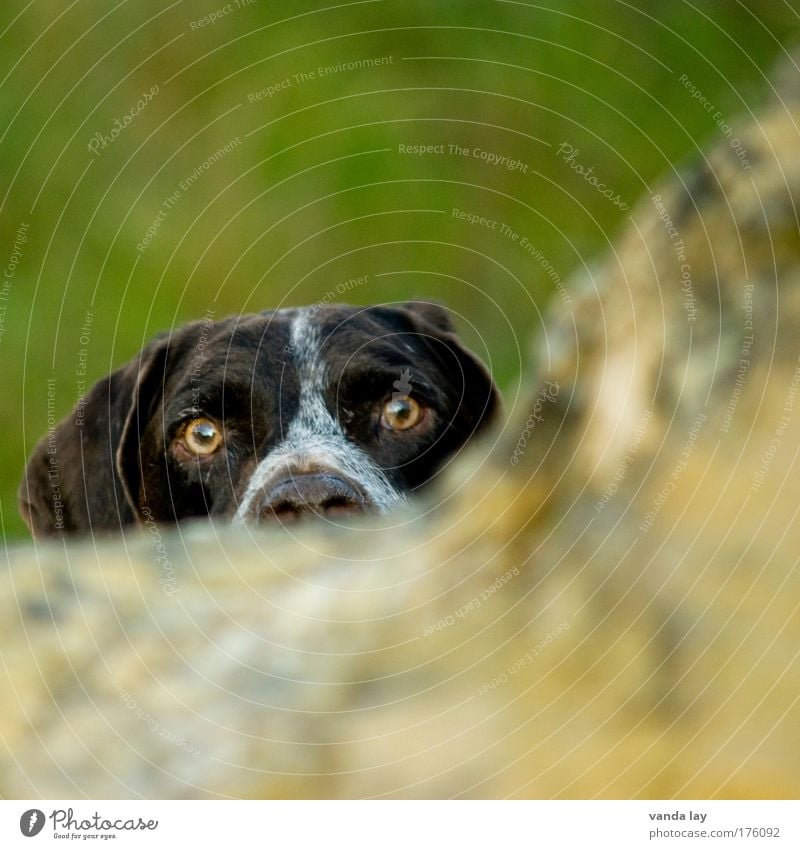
(305, 495)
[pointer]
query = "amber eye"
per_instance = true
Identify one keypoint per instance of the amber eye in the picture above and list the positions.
(201, 437)
(401, 413)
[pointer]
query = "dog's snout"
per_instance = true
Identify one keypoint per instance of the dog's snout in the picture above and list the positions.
(304, 495)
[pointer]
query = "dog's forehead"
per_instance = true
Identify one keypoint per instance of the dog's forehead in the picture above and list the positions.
(382, 331)
(296, 343)
(335, 319)
(239, 351)
(240, 339)
(335, 333)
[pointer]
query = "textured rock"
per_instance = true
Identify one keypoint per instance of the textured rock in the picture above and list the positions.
(615, 614)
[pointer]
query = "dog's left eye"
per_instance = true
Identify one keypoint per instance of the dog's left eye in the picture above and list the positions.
(401, 413)
(201, 437)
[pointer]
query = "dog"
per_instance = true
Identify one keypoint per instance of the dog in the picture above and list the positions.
(322, 410)
(605, 605)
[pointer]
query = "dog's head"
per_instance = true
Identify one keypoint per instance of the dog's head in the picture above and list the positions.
(320, 410)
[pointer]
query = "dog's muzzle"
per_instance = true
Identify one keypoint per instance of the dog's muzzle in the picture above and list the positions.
(321, 475)
(303, 495)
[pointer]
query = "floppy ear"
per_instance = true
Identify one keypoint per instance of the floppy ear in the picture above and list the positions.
(39, 498)
(479, 402)
(73, 481)
(146, 392)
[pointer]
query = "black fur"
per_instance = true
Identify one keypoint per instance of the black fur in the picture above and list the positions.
(118, 465)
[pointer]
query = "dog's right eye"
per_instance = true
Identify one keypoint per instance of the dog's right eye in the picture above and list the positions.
(201, 437)
(401, 413)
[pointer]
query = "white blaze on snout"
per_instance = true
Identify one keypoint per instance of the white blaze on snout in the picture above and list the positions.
(315, 439)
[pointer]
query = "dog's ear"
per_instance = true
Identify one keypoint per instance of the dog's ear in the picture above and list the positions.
(39, 498)
(75, 480)
(146, 391)
(479, 400)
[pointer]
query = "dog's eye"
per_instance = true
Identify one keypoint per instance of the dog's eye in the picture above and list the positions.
(201, 437)
(401, 413)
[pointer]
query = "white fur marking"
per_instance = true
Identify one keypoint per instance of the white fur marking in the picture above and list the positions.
(315, 438)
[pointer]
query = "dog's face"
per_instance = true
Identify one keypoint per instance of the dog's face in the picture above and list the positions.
(281, 415)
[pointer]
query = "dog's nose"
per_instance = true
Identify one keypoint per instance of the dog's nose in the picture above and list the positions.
(305, 495)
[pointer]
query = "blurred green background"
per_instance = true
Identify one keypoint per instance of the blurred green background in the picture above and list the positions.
(313, 189)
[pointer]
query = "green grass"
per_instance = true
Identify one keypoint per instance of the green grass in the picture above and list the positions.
(317, 191)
